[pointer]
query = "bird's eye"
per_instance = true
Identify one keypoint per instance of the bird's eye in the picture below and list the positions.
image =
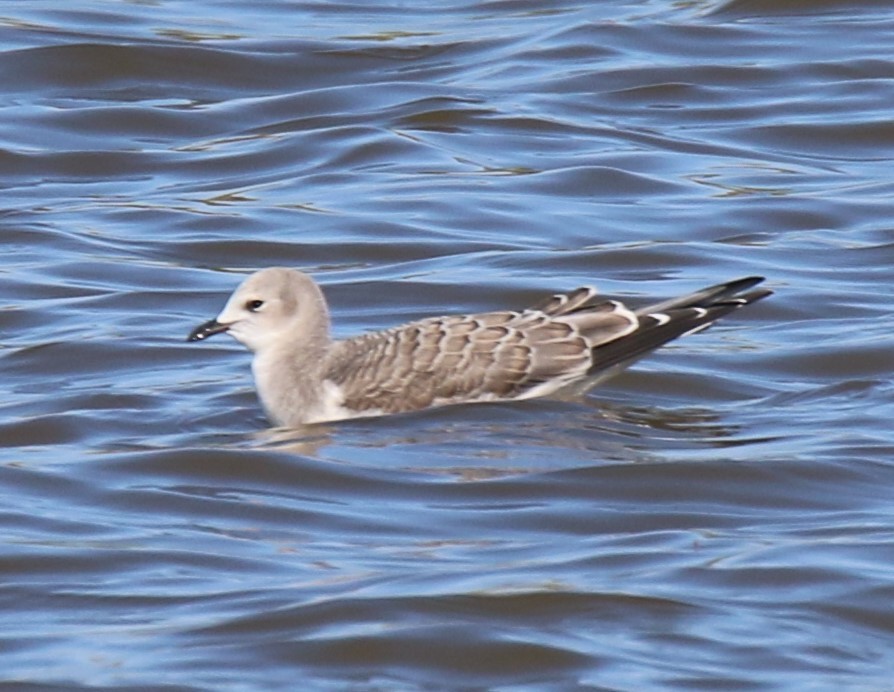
(254, 305)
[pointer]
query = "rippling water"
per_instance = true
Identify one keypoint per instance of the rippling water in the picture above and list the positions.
(719, 517)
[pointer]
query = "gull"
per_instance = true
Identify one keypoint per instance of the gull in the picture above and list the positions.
(570, 341)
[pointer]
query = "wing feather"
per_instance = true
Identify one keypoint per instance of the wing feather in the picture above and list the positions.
(495, 355)
(515, 355)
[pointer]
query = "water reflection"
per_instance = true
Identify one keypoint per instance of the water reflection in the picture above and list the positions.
(719, 516)
(539, 434)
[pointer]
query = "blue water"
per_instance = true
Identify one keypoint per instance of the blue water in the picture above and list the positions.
(718, 517)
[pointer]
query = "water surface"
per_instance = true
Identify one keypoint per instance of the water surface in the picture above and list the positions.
(718, 517)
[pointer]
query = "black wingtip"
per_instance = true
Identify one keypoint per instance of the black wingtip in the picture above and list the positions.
(754, 296)
(745, 283)
(731, 288)
(735, 291)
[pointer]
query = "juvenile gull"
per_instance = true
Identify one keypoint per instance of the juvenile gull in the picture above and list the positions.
(571, 340)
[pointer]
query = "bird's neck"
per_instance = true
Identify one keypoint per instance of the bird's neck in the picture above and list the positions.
(289, 379)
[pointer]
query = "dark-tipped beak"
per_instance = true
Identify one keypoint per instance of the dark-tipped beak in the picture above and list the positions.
(210, 328)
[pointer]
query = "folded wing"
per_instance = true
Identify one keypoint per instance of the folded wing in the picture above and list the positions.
(566, 339)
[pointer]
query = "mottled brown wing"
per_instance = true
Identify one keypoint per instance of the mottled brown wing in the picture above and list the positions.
(564, 303)
(490, 356)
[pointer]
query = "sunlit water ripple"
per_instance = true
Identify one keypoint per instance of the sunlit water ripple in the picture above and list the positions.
(719, 517)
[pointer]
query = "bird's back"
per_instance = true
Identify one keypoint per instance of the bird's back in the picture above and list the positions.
(482, 357)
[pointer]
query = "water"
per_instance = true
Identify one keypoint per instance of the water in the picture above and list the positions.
(719, 517)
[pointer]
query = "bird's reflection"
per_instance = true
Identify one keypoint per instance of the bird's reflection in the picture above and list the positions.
(482, 442)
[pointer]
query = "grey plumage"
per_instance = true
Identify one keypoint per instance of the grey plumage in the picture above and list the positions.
(573, 339)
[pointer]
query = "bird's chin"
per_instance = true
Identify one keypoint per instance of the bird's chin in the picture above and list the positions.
(242, 333)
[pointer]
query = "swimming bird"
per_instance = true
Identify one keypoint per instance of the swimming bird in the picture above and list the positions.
(569, 341)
